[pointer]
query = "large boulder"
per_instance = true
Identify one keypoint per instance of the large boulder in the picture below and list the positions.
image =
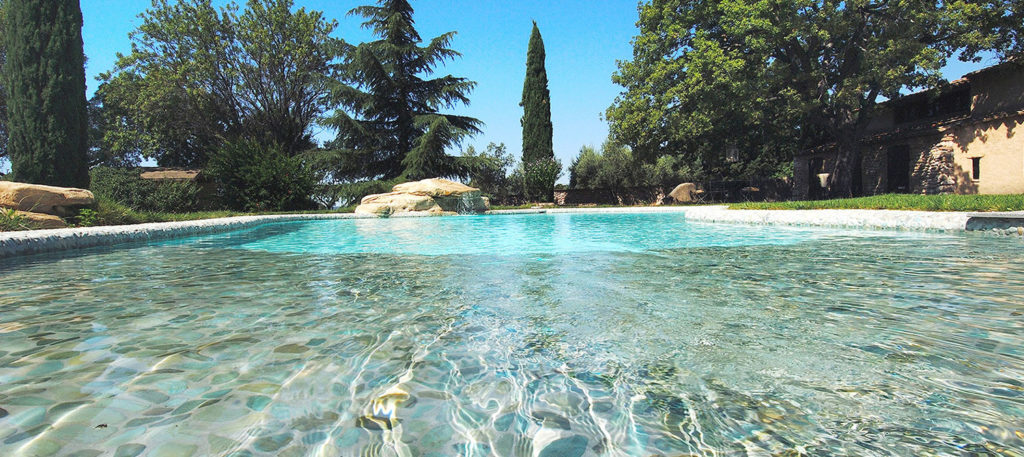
(42, 221)
(394, 202)
(683, 193)
(58, 201)
(435, 187)
(429, 196)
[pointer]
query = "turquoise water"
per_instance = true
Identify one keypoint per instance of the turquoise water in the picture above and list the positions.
(540, 335)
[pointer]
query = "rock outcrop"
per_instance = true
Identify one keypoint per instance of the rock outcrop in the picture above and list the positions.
(42, 221)
(57, 201)
(683, 193)
(43, 206)
(429, 196)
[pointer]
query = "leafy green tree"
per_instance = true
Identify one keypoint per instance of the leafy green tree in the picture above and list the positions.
(489, 171)
(538, 152)
(768, 77)
(45, 84)
(615, 166)
(199, 76)
(390, 128)
(584, 169)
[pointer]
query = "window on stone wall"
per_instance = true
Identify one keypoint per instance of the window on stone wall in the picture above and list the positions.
(976, 168)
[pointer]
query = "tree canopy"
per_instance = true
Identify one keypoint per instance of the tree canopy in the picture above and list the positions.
(199, 76)
(615, 166)
(774, 76)
(390, 126)
(44, 76)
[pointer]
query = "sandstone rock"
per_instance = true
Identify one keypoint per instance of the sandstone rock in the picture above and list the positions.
(683, 193)
(394, 202)
(430, 196)
(435, 187)
(58, 201)
(42, 221)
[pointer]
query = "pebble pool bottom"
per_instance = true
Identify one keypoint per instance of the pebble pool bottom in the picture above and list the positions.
(529, 335)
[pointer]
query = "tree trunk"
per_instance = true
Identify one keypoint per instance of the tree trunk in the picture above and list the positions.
(846, 168)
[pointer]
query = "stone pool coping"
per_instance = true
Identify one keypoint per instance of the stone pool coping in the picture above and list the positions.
(838, 218)
(40, 241)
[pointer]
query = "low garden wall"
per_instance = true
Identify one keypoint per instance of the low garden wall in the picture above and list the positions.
(714, 192)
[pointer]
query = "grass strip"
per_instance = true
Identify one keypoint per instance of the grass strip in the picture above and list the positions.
(910, 202)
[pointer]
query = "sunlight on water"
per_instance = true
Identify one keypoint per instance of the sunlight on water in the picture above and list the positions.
(568, 335)
(525, 234)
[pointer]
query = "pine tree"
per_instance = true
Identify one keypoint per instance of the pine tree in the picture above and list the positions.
(538, 152)
(390, 128)
(45, 82)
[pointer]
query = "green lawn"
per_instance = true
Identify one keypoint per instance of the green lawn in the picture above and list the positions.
(903, 202)
(111, 213)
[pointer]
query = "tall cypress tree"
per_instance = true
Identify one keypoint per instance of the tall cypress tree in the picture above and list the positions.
(45, 82)
(391, 128)
(536, 103)
(540, 169)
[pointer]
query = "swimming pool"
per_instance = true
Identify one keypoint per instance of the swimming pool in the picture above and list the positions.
(533, 335)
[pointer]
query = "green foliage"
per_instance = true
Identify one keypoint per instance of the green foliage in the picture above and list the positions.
(616, 167)
(489, 171)
(769, 77)
(537, 179)
(11, 221)
(538, 151)
(198, 75)
(390, 127)
(44, 77)
(536, 103)
(3, 84)
(109, 212)
(903, 202)
(126, 187)
(86, 217)
(251, 176)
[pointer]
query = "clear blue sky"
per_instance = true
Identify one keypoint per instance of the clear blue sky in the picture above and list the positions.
(583, 40)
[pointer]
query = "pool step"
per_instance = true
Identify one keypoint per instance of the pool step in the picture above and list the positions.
(1004, 223)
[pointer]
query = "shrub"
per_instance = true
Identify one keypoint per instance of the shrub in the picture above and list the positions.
(251, 176)
(126, 187)
(615, 167)
(86, 217)
(11, 221)
(175, 197)
(535, 181)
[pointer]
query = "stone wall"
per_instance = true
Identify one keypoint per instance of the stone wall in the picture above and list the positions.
(1010, 225)
(801, 184)
(933, 168)
(715, 191)
(802, 180)
(630, 196)
(934, 172)
(943, 150)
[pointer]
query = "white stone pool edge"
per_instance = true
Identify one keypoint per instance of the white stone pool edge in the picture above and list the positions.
(39, 241)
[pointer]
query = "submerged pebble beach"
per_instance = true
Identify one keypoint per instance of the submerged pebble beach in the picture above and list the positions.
(530, 335)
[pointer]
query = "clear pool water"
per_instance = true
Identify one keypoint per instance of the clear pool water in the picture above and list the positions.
(539, 335)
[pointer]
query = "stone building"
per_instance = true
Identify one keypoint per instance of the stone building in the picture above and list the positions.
(966, 138)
